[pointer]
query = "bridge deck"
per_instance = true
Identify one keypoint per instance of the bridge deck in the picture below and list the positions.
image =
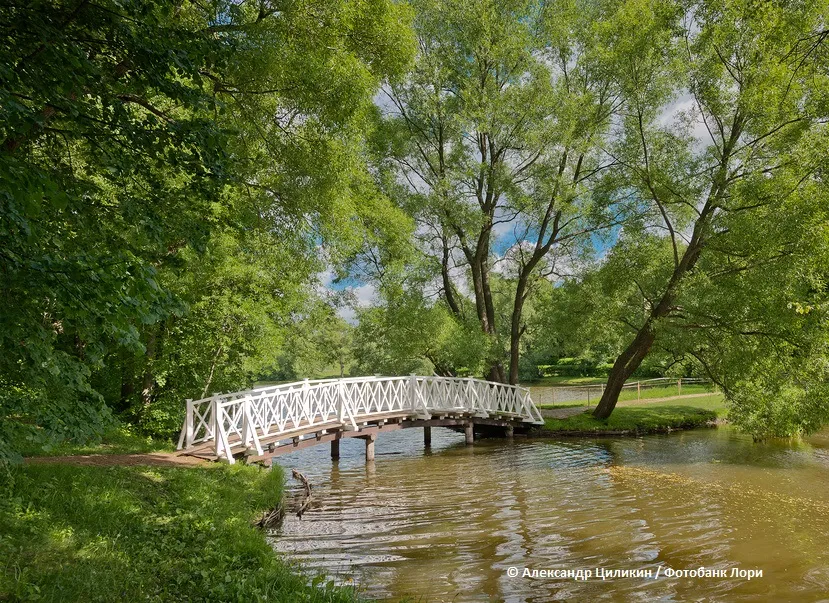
(307, 435)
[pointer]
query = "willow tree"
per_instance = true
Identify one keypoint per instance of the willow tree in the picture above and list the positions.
(500, 128)
(732, 202)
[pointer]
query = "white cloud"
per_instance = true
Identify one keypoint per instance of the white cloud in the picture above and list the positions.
(361, 296)
(685, 108)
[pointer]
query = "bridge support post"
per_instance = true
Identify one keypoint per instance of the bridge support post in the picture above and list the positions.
(370, 446)
(427, 436)
(510, 431)
(335, 450)
(469, 430)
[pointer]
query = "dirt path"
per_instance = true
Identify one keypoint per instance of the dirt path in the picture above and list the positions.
(157, 459)
(562, 413)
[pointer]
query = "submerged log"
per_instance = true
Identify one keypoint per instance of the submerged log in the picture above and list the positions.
(307, 487)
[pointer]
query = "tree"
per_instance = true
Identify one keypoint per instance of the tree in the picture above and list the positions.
(405, 334)
(755, 79)
(500, 126)
(137, 137)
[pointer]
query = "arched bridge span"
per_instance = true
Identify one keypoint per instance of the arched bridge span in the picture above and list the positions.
(267, 421)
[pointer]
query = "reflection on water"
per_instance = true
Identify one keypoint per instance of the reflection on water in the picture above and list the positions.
(447, 524)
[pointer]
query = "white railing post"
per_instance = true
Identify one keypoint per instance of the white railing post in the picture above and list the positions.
(250, 434)
(306, 407)
(412, 391)
(340, 402)
(185, 440)
(215, 420)
(223, 447)
(419, 404)
(246, 426)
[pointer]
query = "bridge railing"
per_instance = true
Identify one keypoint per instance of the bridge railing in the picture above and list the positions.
(264, 412)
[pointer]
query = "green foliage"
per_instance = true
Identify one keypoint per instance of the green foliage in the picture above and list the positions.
(316, 342)
(405, 335)
(168, 174)
(174, 175)
(146, 533)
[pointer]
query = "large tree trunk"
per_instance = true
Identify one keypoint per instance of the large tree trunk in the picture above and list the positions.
(448, 289)
(496, 373)
(478, 289)
(627, 362)
(485, 308)
(630, 360)
(153, 352)
(516, 331)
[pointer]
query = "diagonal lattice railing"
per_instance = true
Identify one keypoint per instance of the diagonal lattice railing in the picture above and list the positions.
(249, 416)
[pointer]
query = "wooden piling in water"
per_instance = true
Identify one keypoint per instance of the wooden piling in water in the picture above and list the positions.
(370, 446)
(427, 436)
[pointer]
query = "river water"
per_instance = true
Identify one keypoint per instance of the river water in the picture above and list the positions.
(451, 523)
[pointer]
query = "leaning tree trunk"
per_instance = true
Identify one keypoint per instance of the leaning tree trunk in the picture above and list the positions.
(630, 360)
(627, 362)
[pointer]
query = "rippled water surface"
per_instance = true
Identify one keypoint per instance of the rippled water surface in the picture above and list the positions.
(447, 524)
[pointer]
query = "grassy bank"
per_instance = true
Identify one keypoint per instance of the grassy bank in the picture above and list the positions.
(640, 418)
(70, 533)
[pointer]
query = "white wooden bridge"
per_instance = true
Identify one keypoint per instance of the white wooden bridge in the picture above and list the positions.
(264, 422)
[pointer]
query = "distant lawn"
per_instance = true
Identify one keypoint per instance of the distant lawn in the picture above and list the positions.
(628, 394)
(547, 381)
(638, 419)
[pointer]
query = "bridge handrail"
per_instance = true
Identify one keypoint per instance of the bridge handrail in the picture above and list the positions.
(271, 410)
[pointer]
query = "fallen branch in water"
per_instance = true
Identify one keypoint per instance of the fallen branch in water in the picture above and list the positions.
(307, 486)
(272, 518)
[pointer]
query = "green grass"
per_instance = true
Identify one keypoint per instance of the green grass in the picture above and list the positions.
(631, 394)
(546, 381)
(70, 533)
(634, 419)
(714, 403)
(119, 440)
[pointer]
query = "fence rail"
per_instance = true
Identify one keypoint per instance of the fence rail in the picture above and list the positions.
(250, 416)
